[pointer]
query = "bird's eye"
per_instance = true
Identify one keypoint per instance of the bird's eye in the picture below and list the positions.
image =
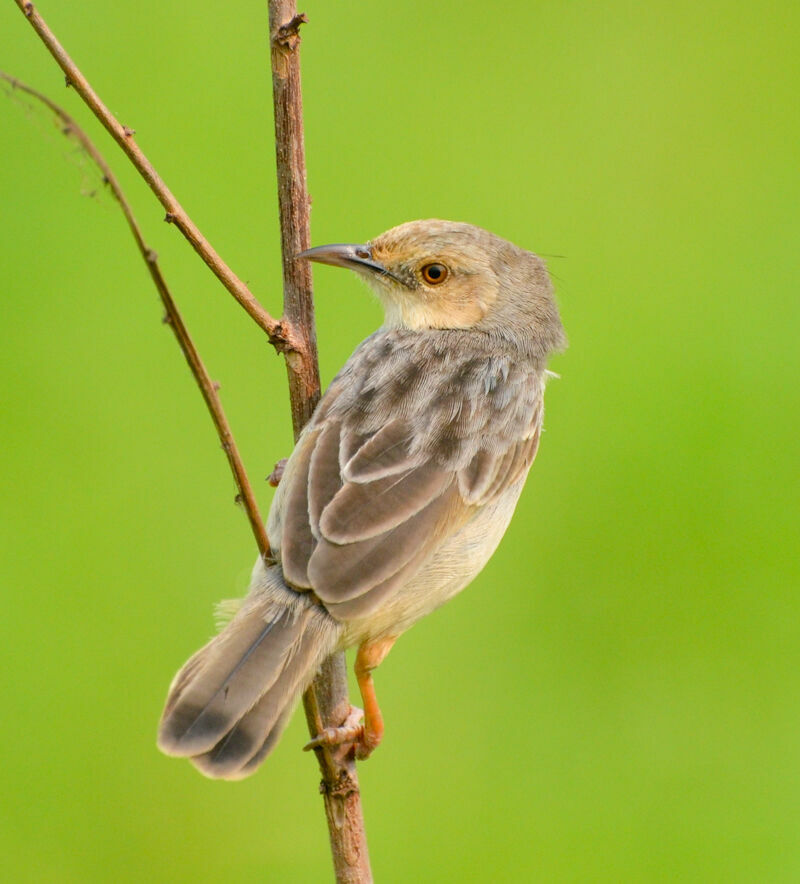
(434, 274)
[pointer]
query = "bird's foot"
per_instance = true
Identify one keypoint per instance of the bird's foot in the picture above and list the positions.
(274, 478)
(351, 733)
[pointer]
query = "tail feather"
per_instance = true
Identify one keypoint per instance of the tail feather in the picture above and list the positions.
(231, 700)
(258, 726)
(182, 678)
(235, 669)
(266, 747)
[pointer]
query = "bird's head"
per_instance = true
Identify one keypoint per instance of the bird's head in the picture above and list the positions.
(444, 274)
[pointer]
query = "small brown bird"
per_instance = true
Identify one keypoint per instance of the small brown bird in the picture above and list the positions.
(396, 494)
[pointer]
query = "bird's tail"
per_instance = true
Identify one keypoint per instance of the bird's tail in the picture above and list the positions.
(229, 703)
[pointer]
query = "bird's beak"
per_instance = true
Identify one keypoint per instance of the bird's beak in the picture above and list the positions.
(354, 257)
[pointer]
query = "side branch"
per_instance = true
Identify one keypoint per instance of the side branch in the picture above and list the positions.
(280, 333)
(172, 316)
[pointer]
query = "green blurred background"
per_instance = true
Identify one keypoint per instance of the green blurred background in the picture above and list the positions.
(616, 697)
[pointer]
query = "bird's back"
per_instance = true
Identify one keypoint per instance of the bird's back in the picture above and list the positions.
(420, 435)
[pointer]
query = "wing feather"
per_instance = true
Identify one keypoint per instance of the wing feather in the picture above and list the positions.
(366, 509)
(380, 479)
(385, 454)
(351, 442)
(369, 602)
(324, 477)
(478, 475)
(297, 541)
(340, 572)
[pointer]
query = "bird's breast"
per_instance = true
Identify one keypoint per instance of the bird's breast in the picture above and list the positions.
(454, 565)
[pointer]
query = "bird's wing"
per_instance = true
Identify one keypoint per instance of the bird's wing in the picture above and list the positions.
(367, 507)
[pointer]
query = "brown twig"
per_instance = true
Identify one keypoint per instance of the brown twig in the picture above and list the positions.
(294, 206)
(326, 701)
(172, 317)
(279, 332)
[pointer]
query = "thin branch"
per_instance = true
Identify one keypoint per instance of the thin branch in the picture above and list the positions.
(293, 205)
(208, 388)
(326, 701)
(279, 332)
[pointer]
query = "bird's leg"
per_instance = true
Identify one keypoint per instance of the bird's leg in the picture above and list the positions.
(369, 657)
(364, 737)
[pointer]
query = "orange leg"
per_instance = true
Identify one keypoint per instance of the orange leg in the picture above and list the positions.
(364, 737)
(369, 657)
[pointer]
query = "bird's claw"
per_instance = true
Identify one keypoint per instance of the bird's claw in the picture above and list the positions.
(274, 478)
(350, 732)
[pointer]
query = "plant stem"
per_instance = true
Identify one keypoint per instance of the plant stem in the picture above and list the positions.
(326, 701)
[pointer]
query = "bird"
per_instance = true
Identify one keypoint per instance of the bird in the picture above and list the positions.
(396, 495)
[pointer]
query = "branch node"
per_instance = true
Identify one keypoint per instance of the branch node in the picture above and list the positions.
(128, 132)
(67, 81)
(282, 339)
(341, 788)
(29, 9)
(151, 256)
(170, 218)
(288, 35)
